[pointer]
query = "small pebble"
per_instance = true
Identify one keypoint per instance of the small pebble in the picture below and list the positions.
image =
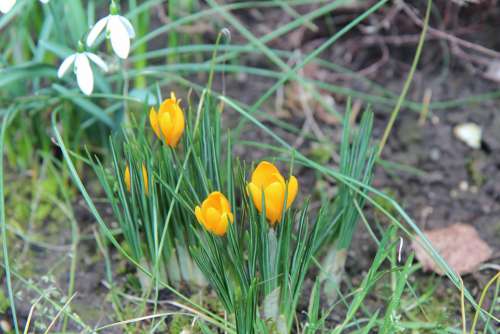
(463, 186)
(5, 326)
(241, 77)
(435, 154)
(469, 133)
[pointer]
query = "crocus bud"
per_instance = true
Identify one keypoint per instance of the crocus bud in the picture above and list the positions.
(168, 122)
(267, 180)
(127, 178)
(215, 213)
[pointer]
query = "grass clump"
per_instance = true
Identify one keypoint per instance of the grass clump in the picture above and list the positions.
(179, 194)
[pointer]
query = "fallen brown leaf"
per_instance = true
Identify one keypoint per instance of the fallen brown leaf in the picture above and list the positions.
(459, 244)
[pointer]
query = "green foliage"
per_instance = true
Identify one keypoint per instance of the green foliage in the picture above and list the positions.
(259, 267)
(356, 161)
(3, 224)
(256, 267)
(179, 323)
(4, 302)
(155, 223)
(258, 271)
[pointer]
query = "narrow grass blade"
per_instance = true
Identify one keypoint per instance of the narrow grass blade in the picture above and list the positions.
(3, 224)
(409, 79)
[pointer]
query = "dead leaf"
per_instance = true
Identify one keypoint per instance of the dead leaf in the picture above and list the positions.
(460, 246)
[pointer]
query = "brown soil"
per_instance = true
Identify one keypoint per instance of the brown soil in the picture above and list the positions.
(457, 183)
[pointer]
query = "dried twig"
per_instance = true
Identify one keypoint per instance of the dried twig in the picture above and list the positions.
(452, 38)
(372, 68)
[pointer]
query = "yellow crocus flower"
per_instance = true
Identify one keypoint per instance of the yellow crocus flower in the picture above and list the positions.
(267, 179)
(215, 213)
(168, 121)
(127, 180)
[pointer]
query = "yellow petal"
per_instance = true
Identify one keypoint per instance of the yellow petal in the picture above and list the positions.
(212, 219)
(277, 177)
(264, 174)
(292, 189)
(178, 125)
(225, 206)
(273, 215)
(215, 213)
(153, 120)
(274, 197)
(218, 201)
(199, 215)
(145, 178)
(126, 177)
(213, 200)
(256, 194)
(221, 227)
(166, 106)
(165, 122)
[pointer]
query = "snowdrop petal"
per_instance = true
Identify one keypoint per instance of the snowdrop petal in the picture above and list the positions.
(126, 23)
(44, 1)
(97, 60)
(119, 37)
(84, 75)
(68, 61)
(6, 5)
(96, 30)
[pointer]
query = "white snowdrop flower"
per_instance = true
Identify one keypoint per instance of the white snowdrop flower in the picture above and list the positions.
(118, 29)
(6, 5)
(82, 69)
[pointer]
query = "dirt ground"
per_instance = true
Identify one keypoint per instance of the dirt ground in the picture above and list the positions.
(454, 184)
